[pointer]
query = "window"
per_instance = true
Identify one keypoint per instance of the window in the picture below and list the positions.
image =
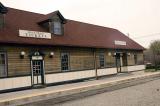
(101, 60)
(135, 58)
(3, 65)
(64, 61)
(57, 28)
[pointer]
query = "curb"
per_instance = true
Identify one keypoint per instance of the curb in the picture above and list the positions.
(79, 92)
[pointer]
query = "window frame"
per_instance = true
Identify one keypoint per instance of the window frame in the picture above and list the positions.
(6, 64)
(102, 61)
(53, 27)
(63, 53)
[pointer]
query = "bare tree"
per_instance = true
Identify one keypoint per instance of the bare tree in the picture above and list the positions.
(155, 48)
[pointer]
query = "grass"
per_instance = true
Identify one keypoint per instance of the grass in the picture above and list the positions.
(151, 70)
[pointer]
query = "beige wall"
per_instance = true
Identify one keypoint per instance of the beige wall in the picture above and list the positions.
(131, 60)
(16, 65)
(80, 59)
(110, 59)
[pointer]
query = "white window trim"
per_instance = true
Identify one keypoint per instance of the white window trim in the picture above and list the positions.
(68, 61)
(5, 65)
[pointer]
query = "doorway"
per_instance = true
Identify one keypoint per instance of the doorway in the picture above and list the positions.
(121, 62)
(37, 72)
(118, 62)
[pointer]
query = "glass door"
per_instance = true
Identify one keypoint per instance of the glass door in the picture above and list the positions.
(37, 72)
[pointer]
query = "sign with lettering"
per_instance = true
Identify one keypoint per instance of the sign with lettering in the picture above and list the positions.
(34, 34)
(37, 58)
(117, 42)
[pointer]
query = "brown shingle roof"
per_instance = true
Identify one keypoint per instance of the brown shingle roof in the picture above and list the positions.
(75, 33)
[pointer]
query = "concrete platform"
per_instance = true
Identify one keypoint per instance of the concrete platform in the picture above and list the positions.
(72, 91)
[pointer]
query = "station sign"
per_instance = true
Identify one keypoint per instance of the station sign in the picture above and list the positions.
(34, 34)
(117, 42)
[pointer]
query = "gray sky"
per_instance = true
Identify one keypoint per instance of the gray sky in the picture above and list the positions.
(139, 18)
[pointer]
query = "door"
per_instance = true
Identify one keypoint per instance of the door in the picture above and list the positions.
(37, 72)
(118, 62)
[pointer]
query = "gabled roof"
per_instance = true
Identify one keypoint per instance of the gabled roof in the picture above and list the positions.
(50, 15)
(76, 34)
(3, 9)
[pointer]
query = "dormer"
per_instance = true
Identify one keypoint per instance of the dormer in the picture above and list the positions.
(3, 11)
(54, 23)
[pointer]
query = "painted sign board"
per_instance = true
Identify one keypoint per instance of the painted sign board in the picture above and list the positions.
(37, 58)
(117, 42)
(34, 34)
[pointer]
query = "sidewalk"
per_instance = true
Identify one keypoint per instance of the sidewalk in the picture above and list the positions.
(33, 95)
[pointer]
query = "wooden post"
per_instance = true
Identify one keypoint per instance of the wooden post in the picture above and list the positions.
(95, 64)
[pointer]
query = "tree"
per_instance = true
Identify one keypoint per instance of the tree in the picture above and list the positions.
(155, 48)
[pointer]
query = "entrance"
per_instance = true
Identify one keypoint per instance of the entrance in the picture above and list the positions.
(121, 62)
(37, 70)
(118, 62)
(38, 75)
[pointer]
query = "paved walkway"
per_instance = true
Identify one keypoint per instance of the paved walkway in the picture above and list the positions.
(59, 88)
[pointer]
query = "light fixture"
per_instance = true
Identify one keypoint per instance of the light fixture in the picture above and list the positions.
(109, 54)
(51, 54)
(115, 54)
(22, 54)
(128, 54)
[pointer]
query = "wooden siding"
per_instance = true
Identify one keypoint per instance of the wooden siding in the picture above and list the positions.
(79, 59)
(52, 64)
(16, 65)
(131, 60)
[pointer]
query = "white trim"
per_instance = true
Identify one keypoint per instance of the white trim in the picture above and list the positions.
(136, 67)
(66, 76)
(44, 74)
(60, 77)
(32, 78)
(17, 82)
(107, 71)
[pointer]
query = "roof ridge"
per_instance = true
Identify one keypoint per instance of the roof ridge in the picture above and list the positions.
(25, 11)
(93, 24)
(51, 12)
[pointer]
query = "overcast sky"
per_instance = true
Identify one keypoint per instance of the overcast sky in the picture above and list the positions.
(139, 18)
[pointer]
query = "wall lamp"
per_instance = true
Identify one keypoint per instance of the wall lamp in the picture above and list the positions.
(51, 54)
(128, 54)
(109, 53)
(22, 54)
(114, 54)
